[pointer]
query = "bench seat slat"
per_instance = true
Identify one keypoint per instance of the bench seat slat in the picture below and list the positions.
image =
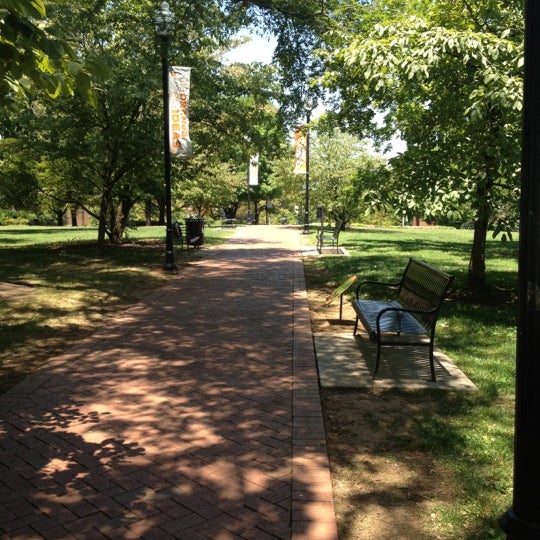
(391, 321)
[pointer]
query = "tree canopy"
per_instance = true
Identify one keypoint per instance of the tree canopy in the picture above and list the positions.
(113, 143)
(448, 78)
(37, 55)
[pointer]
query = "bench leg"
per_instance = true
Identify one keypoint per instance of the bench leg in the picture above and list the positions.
(378, 361)
(432, 362)
(355, 327)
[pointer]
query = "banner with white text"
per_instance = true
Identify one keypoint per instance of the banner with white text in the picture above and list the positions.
(179, 141)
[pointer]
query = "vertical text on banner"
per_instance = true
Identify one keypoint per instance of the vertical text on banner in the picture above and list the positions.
(179, 81)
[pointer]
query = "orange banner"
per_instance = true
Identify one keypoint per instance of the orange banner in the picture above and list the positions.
(180, 143)
(300, 144)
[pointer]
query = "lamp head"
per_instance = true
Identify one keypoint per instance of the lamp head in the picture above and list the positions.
(164, 21)
(308, 105)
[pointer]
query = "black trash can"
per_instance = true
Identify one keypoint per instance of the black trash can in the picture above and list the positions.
(195, 230)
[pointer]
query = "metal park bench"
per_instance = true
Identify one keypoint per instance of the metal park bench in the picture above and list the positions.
(325, 236)
(410, 318)
(226, 221)
(178, 237)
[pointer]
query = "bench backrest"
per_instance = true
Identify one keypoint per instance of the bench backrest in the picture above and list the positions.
(423, 287)
(177, 230)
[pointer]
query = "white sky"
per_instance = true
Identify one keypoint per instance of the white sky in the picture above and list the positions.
(258, 49)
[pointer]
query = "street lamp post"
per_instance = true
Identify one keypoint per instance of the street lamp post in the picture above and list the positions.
(522, 520)
(249, 218)
(308, 106)
(164, 27)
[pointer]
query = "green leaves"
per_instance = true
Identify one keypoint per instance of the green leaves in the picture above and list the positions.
(35, 57)
(453, 92)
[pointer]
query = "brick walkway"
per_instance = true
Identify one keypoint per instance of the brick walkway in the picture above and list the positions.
(195, 414)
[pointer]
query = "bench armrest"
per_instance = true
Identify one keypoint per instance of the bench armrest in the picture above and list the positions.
(387, 284)
(417, 325)
(409, 311)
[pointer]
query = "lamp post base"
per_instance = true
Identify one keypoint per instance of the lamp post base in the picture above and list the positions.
(517, 529)
(170, 265)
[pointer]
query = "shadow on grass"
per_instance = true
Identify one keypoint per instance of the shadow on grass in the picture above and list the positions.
(68, 291)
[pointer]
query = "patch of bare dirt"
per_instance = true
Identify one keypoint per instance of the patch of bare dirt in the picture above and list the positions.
(386, 487)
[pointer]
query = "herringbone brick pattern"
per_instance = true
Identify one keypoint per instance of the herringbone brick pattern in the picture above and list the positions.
(194, 415)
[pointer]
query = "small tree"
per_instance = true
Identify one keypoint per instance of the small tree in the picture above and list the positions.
(203, 185)
(339, 166)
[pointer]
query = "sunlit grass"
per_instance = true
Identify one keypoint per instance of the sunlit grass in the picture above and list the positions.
(22, 235)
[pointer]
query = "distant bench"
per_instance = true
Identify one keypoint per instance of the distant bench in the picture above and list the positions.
(410, 318)
(178, 236)
(227, 221)
(324, 236)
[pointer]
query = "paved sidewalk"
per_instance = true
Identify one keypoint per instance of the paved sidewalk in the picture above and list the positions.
(195, 414)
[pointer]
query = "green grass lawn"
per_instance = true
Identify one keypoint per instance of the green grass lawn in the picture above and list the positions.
(470, 435)
(22, 235)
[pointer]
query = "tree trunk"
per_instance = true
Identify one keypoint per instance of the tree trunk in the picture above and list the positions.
(117, 227)
(477, 262)
(148, 212)
(59, 217)
(121, 218)
(102, 223)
